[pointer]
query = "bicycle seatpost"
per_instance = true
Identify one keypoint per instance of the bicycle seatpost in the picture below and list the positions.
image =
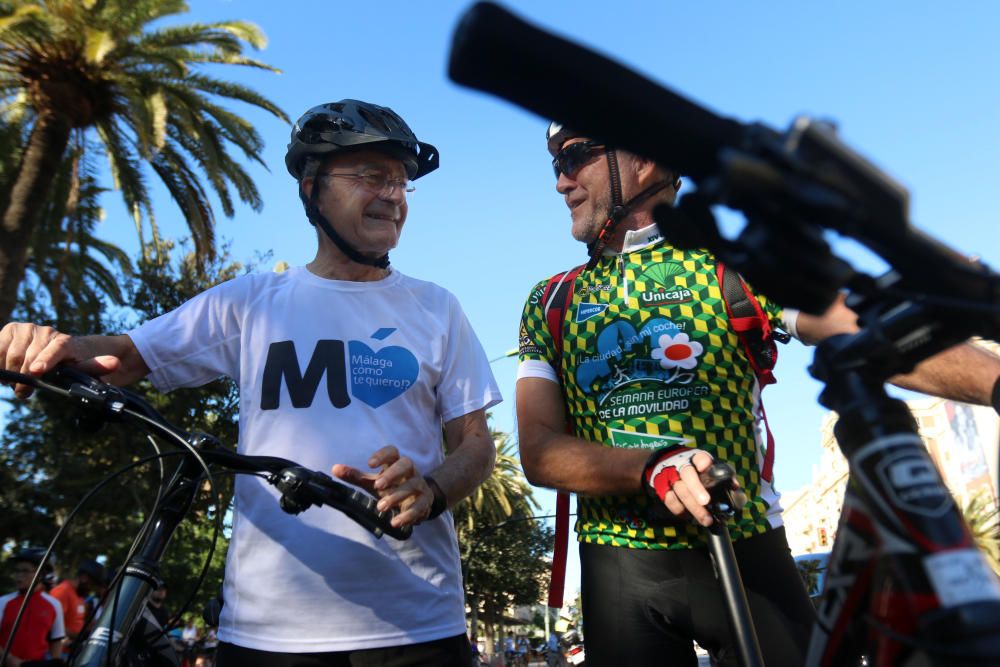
(726, 500)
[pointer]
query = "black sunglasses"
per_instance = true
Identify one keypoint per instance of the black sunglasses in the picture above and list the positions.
(572, 158)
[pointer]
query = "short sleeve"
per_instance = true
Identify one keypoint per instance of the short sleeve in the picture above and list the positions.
(534, 339)
(773, 312)
(467, 383)
(58, 630)
(198, 341)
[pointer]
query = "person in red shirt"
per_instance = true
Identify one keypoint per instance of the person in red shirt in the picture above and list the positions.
(41, 631)
(72, 595)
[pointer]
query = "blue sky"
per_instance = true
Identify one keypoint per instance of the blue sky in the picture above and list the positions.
(913, 85)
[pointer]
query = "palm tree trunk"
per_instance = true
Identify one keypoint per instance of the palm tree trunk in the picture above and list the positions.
(46, 146)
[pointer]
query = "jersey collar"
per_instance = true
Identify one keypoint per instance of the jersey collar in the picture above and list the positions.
(637, 239)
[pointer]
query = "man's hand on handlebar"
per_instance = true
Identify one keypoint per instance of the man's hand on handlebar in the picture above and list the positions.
(397, 484)
(34, 350)
(674, 477)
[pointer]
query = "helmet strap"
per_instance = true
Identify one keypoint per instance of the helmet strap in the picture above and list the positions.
(317, 219)
(619, 209)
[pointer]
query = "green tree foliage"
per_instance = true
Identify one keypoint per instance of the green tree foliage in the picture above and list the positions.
(48, 461)
(95, 74)
(983, 516)
(68, 267)
(496, 498)
(504, 548)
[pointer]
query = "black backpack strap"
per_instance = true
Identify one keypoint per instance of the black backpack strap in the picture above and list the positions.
(758, 340)
(750, 324)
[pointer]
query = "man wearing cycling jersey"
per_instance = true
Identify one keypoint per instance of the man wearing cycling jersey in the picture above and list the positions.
(651, 369)
(345, 361)
(72, 595)
(41, 631)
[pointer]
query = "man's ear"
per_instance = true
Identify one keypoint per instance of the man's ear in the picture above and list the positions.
(306, 186)
(645, 170)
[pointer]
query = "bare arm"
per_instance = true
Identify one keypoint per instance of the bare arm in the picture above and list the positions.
(35, 350)
(555, 459)
(470, 459)
(55, 647)
(14, 661)
(962, 373)
(471, 456)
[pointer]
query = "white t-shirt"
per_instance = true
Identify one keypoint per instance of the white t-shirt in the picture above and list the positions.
(329, 372)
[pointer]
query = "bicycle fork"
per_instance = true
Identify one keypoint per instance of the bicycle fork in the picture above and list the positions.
(126, 602)
(905, 577)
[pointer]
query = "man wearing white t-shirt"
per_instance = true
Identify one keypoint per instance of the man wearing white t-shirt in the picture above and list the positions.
(345, 362)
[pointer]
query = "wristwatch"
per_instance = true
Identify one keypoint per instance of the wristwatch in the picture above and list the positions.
(440, 503)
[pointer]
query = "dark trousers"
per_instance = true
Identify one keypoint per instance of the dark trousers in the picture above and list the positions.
(449, 652)
(645, 607)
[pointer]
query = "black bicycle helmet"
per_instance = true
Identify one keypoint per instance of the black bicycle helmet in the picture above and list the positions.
(91, 568)
(350, 125)
(336, 126)
(555, 136)
(33, 556)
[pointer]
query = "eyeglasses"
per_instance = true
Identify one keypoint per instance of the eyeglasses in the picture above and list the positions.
(574, 157)
(377, 181)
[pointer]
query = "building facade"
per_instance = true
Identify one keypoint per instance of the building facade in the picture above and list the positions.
(963, 441)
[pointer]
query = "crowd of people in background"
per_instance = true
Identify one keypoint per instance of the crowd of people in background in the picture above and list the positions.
(60, 610)
(517, 650)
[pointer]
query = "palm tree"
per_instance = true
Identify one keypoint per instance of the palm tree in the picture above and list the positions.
(76, 271)
(505, 498)
(983, 516)
(69, 272)
(94, 69)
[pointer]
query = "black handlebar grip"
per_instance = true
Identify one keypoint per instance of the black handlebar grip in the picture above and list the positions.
(367, 510)
(497, 52)
(358, 505)
(718, 479)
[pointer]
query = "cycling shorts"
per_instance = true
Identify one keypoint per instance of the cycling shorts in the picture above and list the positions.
(645, 607)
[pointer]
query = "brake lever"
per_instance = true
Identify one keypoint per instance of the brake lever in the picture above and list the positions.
(302, 488)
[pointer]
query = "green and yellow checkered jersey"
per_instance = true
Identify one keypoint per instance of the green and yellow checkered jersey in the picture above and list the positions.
(649, 360)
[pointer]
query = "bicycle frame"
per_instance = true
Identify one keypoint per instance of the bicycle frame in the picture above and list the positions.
(111, 639)
(126, 600)
(903, 564)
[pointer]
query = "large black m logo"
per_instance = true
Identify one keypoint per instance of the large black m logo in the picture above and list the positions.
(282, 364)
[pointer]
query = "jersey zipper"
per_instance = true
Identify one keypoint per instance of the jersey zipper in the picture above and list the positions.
(624, 279)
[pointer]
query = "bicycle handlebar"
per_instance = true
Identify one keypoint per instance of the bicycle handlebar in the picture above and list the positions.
(300, 487)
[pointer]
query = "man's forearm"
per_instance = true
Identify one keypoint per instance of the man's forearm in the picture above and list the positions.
(554, 459)
(470, 460)
(964, 373)
(133, 367)
(567, 463)
(464, 471)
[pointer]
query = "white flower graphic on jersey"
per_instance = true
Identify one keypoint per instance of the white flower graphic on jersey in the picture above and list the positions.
(677, 351)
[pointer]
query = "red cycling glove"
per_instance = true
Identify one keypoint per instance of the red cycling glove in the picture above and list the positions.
(663, 469)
